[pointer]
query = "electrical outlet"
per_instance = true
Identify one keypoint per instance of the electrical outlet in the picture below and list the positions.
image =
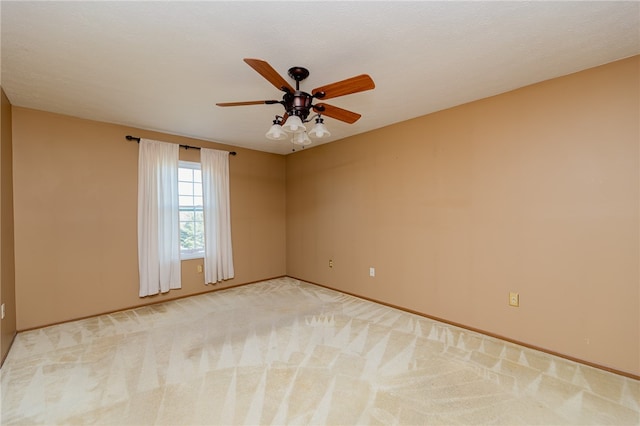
(514, 299)
(372, 272)
(2, 311)
(199, 268)
(330, 263)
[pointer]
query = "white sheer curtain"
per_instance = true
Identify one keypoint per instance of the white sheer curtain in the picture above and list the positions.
(158, 217)
(218, 252)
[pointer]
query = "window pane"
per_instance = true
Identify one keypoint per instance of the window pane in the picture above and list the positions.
(185, 188)
(187, 237)
(186, 201)
(191, 216)
(185, 174)
(186, 216)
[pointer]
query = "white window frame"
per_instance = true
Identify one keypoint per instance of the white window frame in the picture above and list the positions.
(190, 253)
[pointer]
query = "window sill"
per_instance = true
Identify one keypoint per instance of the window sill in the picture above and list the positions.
(192, 256)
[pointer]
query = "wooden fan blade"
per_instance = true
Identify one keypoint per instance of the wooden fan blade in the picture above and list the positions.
(351, 85)
(227, 104)
(267, 71)
(337, 113)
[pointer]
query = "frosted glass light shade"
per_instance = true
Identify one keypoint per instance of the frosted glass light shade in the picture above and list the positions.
(294, 124)
(301, 138)
(276, 133)
(319, 130)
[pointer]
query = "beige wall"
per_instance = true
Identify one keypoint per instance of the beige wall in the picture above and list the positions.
(534, 191)
(75, 186)
(7, 266)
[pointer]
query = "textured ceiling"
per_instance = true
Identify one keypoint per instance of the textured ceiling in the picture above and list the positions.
(163, 65)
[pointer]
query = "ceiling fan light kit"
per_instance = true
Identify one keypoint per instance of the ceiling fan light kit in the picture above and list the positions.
(301, 138)
(320, 130)
(298, 105)
(276, 132)
(294, 125)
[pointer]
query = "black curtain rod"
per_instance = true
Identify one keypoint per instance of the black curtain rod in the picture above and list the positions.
(134, 138)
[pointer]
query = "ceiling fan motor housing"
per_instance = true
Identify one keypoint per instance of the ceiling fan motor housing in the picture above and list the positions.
(298, 103)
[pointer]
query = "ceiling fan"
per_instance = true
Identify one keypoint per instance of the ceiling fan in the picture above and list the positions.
(298, 104)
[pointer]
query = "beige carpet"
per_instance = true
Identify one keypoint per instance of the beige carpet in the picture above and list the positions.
(288, 352)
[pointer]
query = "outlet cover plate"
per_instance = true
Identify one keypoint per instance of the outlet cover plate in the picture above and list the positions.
(514, 299)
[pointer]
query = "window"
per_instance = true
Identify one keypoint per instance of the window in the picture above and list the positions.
(191, 213)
